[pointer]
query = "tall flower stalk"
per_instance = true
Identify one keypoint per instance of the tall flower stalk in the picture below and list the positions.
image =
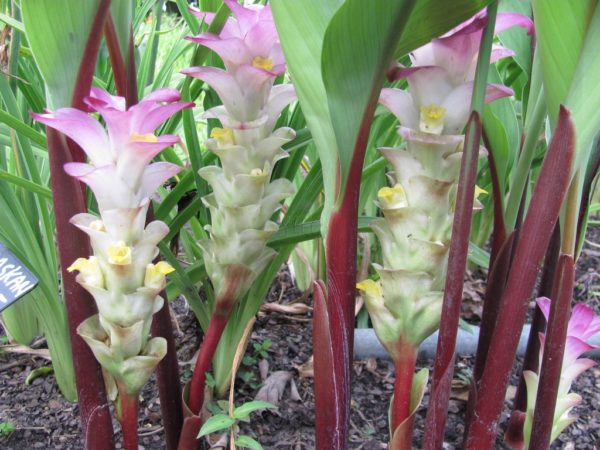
(121, 275)
(418, 208)
(243, 198)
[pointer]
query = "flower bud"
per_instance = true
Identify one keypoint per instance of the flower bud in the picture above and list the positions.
(89, 271)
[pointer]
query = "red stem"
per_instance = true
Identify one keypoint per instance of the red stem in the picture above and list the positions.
(554, 349)
(205, 355)
(116, 58)
(405, 366)
(540, 220)
(457, 262)
(128, 416)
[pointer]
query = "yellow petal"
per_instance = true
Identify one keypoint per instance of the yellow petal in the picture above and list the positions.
(79, 265)
(164, 268)
(370, 287)
(432, 119)
(392, 197)
(262, 63)
(223, 135)
(119, 254)
(148, 137)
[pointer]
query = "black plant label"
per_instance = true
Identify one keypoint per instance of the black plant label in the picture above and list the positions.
(16, 280)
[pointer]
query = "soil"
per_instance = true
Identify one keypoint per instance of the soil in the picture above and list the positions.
(43, 419)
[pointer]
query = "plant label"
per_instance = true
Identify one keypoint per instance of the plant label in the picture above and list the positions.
(15, 279)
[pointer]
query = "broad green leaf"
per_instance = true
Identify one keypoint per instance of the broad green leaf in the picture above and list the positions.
(516, 38)
(431, 18)
(502, 130)
(216, 423)
(358, 46)
(248, 442)
(57, 33)
(301, 26)
(584, 95)
(560, 30)
(243, 411)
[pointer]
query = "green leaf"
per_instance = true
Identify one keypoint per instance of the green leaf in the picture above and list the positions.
(57, 33)
(584, 95)
(560, 29)
(216, 423)
(11, 22)
(39, 372)
(248, 442)
(243, 411)
(358, 46)
(431, 18)
(25, 184)
(21, 127)
(301, 26)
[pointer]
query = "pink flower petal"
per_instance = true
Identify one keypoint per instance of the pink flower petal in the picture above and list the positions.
(163, 95)
(155, 175)
(429, 85)
(496, 91)
(134, 157)
(101, 96)
(544, 304)
(232, 51)
(83, 129)
(400, 103)
(574, 348)
(246, 17)
(281, 96)
(110, 190)
(506, 20)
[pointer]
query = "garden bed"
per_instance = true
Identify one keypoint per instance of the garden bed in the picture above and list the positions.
(42, 419)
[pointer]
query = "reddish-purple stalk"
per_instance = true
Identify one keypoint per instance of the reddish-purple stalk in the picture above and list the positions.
(405, 364)
(217, 324)
(457, 262)
(128, 417)
(514, 432)
(332, 379)
(116, 58)
(499, 233)
(68, 200)
(539, 223)
(554, 348)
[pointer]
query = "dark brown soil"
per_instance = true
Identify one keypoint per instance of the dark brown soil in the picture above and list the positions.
(42, 419)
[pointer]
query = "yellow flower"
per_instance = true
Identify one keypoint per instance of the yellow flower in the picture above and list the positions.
(119, 254)
(392, 197)
(262, 63)
(155, 274)
(89, 270)
(223, 135)
(148, 137)
(371, 288)
(257, 172)
(432, 119)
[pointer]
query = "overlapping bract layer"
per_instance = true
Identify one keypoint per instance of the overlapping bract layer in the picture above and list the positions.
(121, 275)
(583, 325)
(244, 199)
(415, 231)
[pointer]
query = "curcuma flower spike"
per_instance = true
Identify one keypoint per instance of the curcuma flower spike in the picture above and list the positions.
(415, 229)
(243, 198)
(583, 325)
(121, 275)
